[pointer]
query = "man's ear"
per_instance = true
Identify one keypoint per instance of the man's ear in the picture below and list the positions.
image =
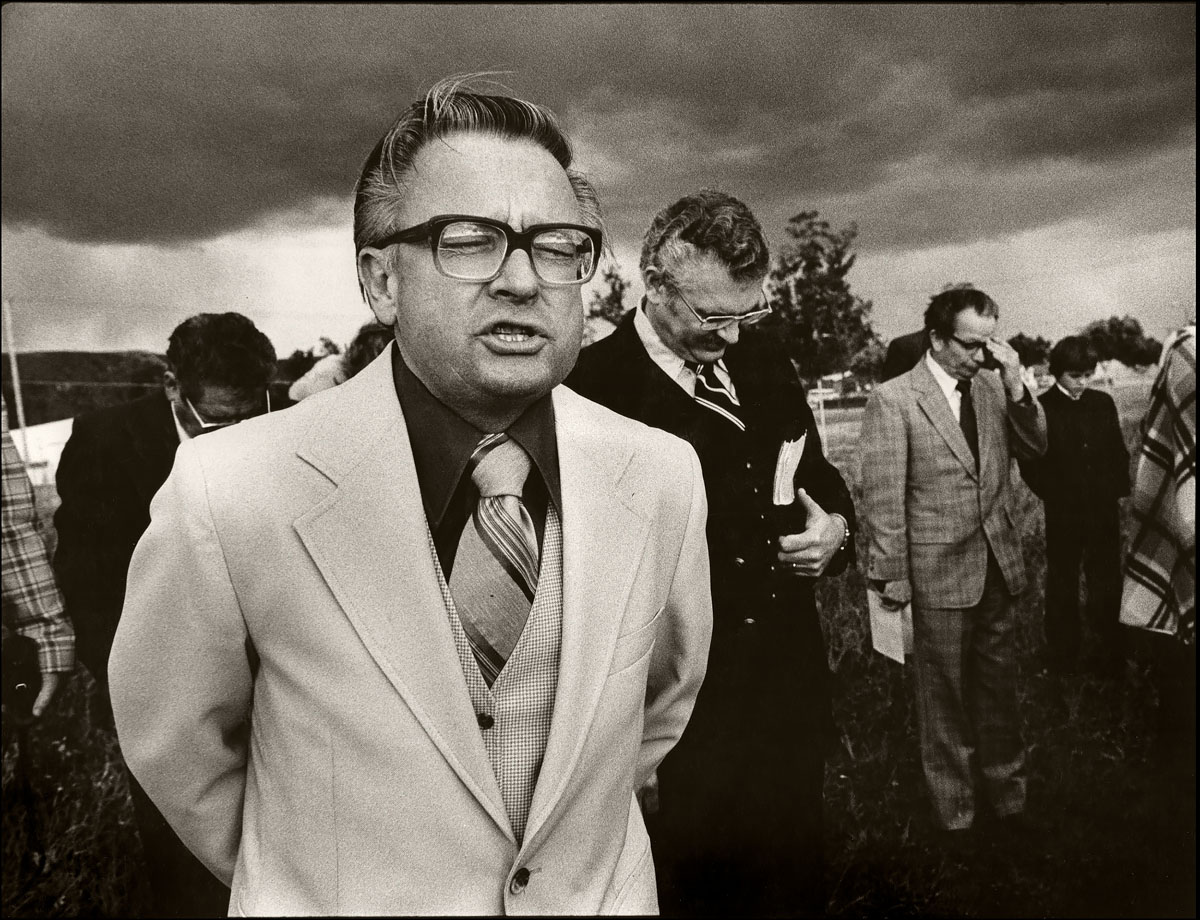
(936, 342)
(653, 280)
(171, 385)
(380, 283)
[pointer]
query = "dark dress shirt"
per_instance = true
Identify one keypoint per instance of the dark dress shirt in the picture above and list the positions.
(442, 444)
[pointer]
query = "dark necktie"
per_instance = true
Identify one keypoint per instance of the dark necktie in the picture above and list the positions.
(711, 393)
(967, 421)
(496, 566)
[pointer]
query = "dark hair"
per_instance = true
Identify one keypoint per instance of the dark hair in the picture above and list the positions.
(220, 349)
(1074, 353)
(447, 109)
(368, 342)
(710, 222)
(946, 305)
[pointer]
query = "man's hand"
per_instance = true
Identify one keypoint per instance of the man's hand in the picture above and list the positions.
(808, 553)
(49, 686)
(1010, 367)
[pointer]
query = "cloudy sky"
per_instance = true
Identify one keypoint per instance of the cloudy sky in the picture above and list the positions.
(162, 160)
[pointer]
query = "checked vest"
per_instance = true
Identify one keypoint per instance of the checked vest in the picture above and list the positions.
(514, 713)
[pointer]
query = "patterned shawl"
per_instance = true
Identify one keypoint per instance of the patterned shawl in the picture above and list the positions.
(1160, 577)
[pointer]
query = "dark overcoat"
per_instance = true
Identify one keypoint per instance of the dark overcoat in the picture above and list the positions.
(745, 780)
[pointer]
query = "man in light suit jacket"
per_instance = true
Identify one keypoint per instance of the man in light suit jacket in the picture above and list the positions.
(391, 676)
(937, 448)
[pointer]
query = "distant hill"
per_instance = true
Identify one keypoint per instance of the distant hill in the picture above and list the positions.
(64, 384)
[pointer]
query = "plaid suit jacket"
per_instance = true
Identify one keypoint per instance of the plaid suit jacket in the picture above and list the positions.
(930, 514)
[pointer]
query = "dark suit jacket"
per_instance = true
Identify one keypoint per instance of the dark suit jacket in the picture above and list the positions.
(751, 597)
(1086, 462)
(903, 353)
(114, 462)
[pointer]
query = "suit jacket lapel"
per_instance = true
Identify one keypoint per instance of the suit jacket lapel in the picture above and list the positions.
(603, 539)
(369, 539)
(937, 409)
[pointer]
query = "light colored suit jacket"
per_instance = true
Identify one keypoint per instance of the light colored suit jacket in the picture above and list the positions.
(287, 690)
(930, 514)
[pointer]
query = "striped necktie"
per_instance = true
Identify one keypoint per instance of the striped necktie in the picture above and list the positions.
(496, 566)
(713, 394)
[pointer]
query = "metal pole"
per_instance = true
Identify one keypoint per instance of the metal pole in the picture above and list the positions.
(10, 343)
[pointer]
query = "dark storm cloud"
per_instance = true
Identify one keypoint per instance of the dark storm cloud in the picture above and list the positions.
(171, 124)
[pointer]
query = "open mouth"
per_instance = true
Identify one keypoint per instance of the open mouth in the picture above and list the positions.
(511, 332)
(514, 338)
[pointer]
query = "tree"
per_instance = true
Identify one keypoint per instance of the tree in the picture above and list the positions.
(867, 363)
(605, 310)
(821, 324)
(1122, 338)
(611, 304)
(1030, 349)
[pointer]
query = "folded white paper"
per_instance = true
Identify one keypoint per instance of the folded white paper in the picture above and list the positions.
(786, 463)
(891, 628)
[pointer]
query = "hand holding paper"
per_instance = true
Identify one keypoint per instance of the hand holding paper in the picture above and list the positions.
(786, 465)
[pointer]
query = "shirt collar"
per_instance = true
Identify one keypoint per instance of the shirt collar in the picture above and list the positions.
(1067, 393)
(947, 383)
(670, 363)
(442, 441)
(179, 430)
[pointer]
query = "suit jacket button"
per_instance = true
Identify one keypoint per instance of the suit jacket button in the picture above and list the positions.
(485, 721)
(739, 561)
(519, 880)
(749, 621)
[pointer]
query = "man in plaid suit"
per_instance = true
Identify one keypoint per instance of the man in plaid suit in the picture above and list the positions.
(32, 605)
(937, 447)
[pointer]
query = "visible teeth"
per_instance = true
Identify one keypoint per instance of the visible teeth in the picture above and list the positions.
(508, 333)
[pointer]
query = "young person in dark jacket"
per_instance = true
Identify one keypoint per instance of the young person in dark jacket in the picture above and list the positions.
(1084, 473)
(738, 825)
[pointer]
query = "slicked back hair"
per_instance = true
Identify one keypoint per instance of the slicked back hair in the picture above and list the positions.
(1073, 353)
(220, 349)
(943, 307)
(449, 108)
(712, 223)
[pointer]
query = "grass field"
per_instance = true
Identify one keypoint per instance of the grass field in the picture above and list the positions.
(1110, 838)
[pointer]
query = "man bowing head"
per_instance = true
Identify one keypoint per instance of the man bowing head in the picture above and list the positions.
(420, 638)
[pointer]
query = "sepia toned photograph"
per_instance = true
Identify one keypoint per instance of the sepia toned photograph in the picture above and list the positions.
(552, 459)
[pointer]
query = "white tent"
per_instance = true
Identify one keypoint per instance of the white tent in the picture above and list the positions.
(40, 446)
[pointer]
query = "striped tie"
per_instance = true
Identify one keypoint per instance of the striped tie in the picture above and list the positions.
(495, 570)
(713, 394)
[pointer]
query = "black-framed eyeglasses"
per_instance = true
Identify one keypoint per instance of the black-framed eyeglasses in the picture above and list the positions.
(716, 321)
(971, 348)
(468, 248)
(206, 425)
